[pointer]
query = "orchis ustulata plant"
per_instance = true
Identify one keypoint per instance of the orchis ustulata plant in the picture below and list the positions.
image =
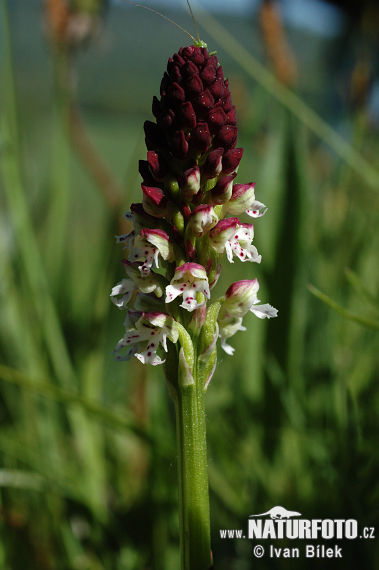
(185, 226)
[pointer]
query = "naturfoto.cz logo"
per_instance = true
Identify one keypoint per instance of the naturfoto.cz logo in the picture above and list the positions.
(280, 523)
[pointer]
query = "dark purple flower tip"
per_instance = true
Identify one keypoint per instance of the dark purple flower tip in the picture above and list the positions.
(179, 145)
(226, 137)
(156, 107)
(154, 136)
(193, 86)
(226, 100)
(220, 73)
(198, 57)
(217, 89)
(143, 168)
(208, 74)
(216, 118)
(222, 192)
(166, 120)
(175, 75)
(201, 138)
(187, 115)
(213, 164)
(155, 195)
(189, 69)
(157, 165)
(231, 160)
(165, 82)
(231, 117)
(178, 59)
(176, 93)
(186, 211)
(204, 101)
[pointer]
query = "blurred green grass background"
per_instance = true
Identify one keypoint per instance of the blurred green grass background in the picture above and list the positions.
(87, 445)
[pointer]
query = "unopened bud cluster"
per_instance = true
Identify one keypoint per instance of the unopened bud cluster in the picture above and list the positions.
(188, 220)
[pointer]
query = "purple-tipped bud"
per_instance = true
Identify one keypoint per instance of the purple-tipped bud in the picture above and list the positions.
(216, 118)
(226, 137)
(154, 136)
(243, 196)
(157, 165)
(222, 233)
(187, 115)
(239, 298)
(179, 144)
(213, 165)
(222, 192)
(201, 138)
(176, 93)
(154, 201)
(231, 160)
(191, 182)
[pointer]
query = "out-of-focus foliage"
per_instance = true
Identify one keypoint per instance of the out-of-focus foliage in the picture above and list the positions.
(87, 445)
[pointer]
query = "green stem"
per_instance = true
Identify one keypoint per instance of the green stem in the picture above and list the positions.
(193, 471)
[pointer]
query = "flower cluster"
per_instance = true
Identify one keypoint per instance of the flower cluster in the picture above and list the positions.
(188, 217)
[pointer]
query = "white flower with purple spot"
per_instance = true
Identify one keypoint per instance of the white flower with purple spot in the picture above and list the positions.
(235, 238)
(148, 247)
(145, 336)
(126, 288)
(191, 281)
(240, 245)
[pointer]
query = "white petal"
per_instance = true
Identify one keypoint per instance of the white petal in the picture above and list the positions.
(228, 349)
(263, 311)
(173, 291)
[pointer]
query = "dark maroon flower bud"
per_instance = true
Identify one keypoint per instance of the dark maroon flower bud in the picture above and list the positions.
(216, 118)
(193, 86)
(157, 165)
(222, 192)
(187, 115)
(154, 136)
(143, 168)
(226, 100)
(175, 75)
(220, 73)
(186, 53)
(201, 138)
(198, 58)
(208, 74)
(178, 59)
(176, 93)
(231, 117)
(179, 145)
(217, 89)
(156, 107)
(166, 120)
(204, 101)
(189, 69)
(164, 83)
(226, 137)
(231, 160)
(213, 165)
